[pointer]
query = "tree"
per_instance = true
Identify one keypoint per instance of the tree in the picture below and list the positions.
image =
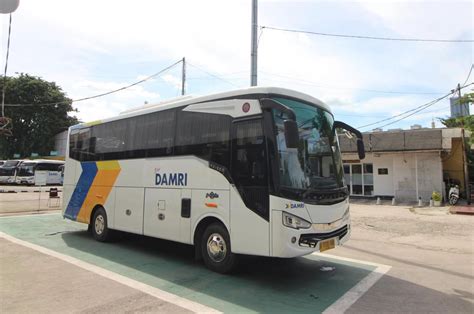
(34, 125)
(467, 99)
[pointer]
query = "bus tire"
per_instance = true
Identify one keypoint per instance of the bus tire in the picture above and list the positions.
(98, 226)
(215, 249)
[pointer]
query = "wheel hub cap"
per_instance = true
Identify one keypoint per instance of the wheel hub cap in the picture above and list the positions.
(99, 224)
(216, 247)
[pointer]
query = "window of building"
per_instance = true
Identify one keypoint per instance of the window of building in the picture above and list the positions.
(368, 179)
(359, 178)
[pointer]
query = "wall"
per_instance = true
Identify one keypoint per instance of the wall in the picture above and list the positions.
(430, 176)
(60, 141)
(453, 162)
(401, 178)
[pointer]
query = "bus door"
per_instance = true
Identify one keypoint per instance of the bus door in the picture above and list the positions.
(250, 175)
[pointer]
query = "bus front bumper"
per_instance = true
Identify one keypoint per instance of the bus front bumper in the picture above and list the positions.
(288, 242)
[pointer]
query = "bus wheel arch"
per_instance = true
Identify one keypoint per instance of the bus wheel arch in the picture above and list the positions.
(98, 224)
(201, 226)
(211, 234)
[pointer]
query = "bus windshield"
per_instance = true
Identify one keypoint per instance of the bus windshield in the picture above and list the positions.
(27, 170)
(315, 166)
(11, 163)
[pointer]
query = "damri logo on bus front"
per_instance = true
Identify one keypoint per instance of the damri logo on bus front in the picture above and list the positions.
(170, 178)
(294, 205)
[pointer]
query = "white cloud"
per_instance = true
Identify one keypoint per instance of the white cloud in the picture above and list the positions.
(172, 80)
(89, 47)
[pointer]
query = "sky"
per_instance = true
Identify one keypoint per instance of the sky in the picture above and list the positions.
(91, 47)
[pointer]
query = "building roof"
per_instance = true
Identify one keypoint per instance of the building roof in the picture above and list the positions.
(403, 140)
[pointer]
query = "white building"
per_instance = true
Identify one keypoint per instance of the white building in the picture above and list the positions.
(405, 164)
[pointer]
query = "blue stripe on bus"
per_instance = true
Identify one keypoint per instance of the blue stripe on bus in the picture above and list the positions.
(89, 171)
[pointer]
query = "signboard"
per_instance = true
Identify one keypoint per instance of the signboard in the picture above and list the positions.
(34, 155)
(53, 153)
(16, 156)
(40, 177)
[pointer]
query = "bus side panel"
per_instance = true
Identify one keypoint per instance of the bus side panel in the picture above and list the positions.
(128, 215)
(162, 213)
(70, 181)
(249, 233)
(213, 203)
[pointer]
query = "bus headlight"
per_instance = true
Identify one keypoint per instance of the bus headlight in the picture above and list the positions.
(295, 222)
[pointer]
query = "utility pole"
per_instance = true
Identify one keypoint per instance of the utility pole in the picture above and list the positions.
(253, 53)
(183, 78)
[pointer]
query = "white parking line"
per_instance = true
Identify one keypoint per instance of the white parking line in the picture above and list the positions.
(163, 295)
(351, 296)
(29, 214)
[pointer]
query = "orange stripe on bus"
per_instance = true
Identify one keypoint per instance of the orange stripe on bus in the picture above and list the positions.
(99, 191)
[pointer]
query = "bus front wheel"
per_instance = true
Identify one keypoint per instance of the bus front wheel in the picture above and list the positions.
(215, 249)
(98, 226)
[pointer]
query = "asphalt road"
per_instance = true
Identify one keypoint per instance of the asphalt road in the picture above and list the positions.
(430, 254)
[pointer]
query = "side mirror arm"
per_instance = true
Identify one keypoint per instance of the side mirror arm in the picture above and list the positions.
(358, 134)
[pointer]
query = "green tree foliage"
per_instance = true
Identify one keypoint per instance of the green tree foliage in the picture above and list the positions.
(466, 122)
(34, 126)
(467, 98)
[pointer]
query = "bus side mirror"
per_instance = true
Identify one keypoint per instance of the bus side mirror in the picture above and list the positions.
(360, 148)
(291, 134)
(360, 141)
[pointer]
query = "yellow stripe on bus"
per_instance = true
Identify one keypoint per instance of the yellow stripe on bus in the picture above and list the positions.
(99, 191)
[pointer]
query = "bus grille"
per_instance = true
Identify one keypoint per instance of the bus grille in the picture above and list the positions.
(312, 239)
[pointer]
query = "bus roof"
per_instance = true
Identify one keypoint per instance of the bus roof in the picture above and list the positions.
(188, 100)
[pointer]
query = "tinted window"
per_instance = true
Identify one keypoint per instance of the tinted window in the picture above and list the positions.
(11, 163)
(47, 166)
(249, 166)
(151, 135)
(79, 144)
(148, 135)
(109, 140)
(204, 135)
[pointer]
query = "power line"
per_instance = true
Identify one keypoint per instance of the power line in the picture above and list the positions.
(415, 112)
(468, 75)
(405, 112)
(102, 94)
(375, 117)
(213, 75)
(369, 37)
(411, 111)
(350, 88)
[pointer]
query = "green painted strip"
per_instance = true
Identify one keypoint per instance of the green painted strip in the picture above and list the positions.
(260, 285)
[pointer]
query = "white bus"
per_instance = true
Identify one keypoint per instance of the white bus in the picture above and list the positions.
(28, 168)
(255, 171)
(8, 171)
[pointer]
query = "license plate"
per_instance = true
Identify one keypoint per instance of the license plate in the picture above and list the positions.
(327, 245)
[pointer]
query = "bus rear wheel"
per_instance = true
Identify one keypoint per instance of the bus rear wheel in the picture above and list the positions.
(98, 226)
(215, 249)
